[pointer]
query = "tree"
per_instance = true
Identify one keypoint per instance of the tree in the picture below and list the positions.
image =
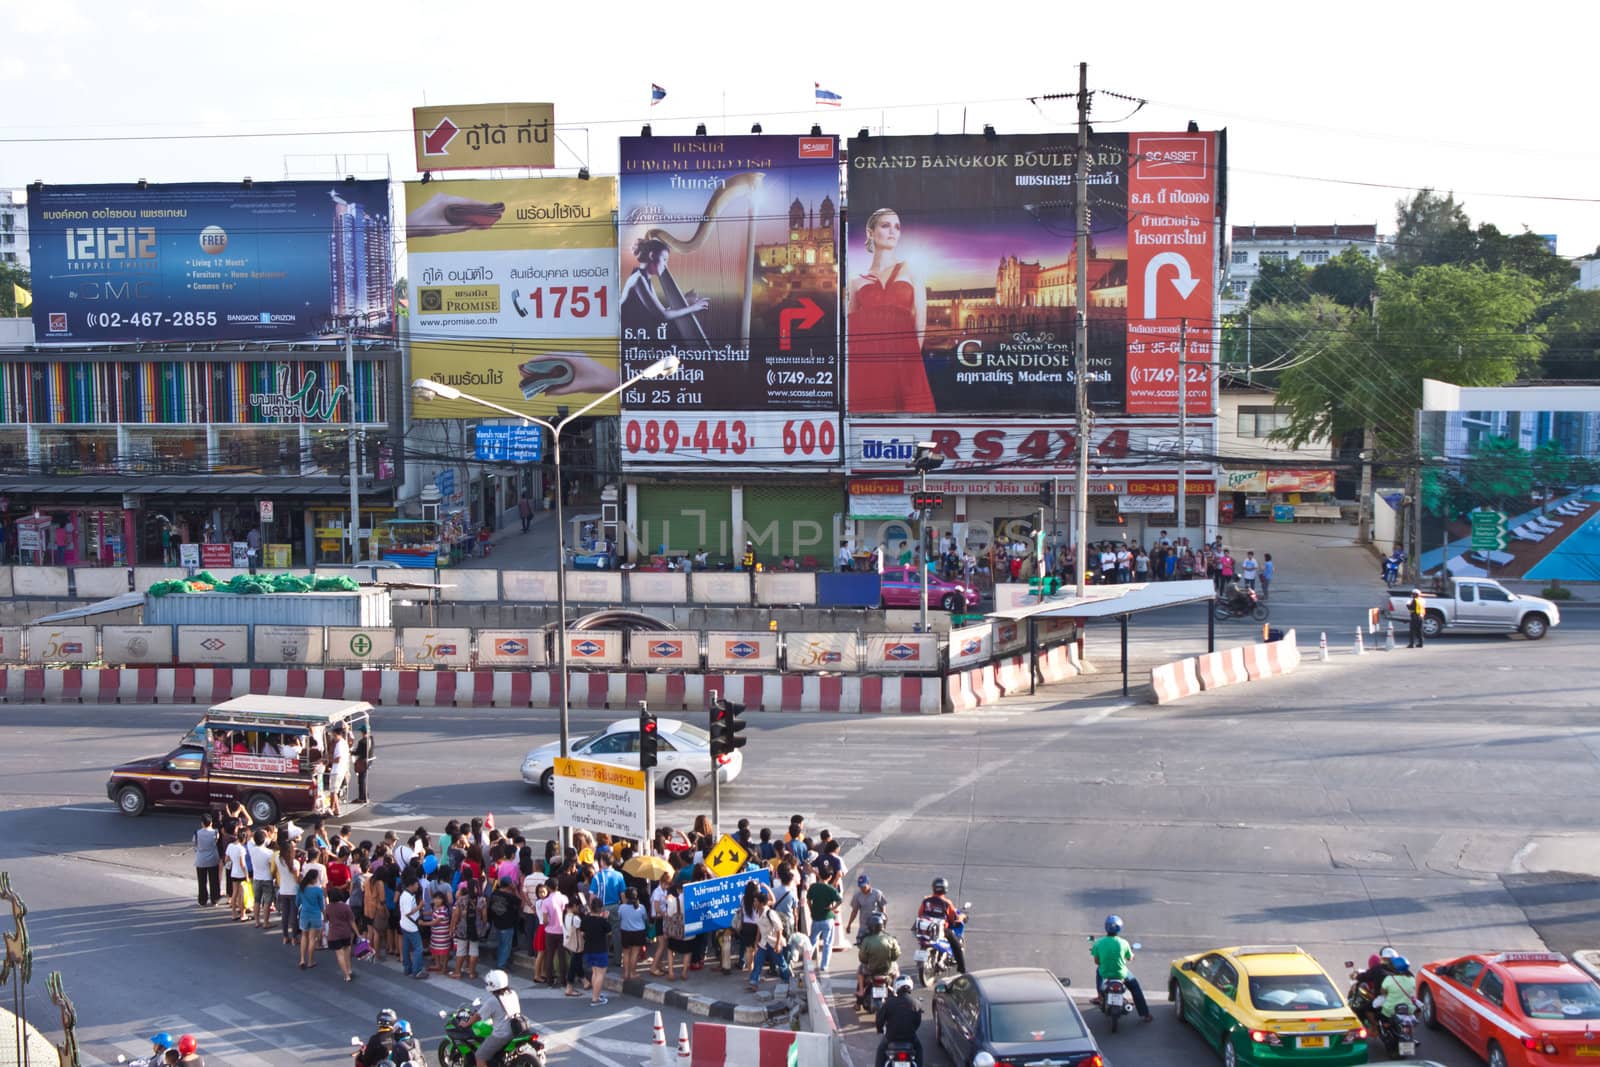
(11, 276)
(1350, 278)
(1573, 332)
(1500, 472)
(1432, 230)
(1324, 349)
(1279, 283)
(1527, 253)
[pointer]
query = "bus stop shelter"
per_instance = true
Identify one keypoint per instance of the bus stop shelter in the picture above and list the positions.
(1120, 602)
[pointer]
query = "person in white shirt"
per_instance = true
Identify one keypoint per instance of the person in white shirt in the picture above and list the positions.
(339, 766)
(413, 959)
(238, 875)
(261, 859)
(1248, 570)
(847, 562)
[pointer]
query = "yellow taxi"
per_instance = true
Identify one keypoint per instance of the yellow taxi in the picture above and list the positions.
(1266, 1004)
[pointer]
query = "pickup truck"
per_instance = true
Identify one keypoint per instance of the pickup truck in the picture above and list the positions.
(1478, 605)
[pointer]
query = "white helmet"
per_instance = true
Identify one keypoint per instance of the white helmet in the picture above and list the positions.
(902, 984)
(495, 981)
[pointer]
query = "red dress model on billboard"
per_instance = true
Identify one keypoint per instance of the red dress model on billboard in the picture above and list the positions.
(886, 314)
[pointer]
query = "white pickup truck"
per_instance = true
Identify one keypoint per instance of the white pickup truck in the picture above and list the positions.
(1478, 605)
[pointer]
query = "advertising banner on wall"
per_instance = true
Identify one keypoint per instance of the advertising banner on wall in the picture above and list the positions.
(664, 648)
(62, 644)
(511, 648)
(902, 652)
(355, 644)
(265, 261)
(835, 652)
(755, 651)
(514, 292)
(299, 646)
(961, 271)
(595, 648)
(128, 645)
(729, 250)
(1034, 447)
(971, 644)
(214, 644)
(426, 647)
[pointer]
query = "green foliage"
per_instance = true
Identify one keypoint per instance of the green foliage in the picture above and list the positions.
(1572, 329)
(12, 275)
(1279, 283)
(1499, 472)
(1350, 278)
(1327, 385)
(1556, 592)
(1431, 230)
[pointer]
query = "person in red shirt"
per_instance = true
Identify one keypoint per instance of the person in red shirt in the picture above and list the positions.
(339, 869)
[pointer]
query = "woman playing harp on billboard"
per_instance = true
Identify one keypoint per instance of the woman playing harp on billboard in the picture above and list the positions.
(641, 307)
(887, 314)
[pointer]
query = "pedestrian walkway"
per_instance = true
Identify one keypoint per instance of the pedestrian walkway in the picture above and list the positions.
(514, 550)
(1313, 563)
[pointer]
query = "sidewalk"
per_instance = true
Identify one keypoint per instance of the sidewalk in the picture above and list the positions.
(707, 992)
(514, 550)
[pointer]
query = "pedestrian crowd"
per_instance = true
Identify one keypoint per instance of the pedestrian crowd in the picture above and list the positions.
(442, 903)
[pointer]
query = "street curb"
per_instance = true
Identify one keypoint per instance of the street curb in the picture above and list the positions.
(669, 996)
(1589, 960)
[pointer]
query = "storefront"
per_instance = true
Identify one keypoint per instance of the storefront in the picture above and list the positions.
(800, 521)
(66, 533)
(1276, 494)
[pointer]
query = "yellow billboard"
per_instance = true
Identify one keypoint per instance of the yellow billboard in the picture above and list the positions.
(475, 136)
(514, 292)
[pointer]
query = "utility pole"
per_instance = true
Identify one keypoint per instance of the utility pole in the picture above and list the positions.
(1413, 569)
(1183, 426)
(1080, 344)
(355, 475)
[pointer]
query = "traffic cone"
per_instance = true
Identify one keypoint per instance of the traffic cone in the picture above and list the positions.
(660, 1055)
(1322, 648)
(1361, 648)
(1388, 638)
(684, 1055)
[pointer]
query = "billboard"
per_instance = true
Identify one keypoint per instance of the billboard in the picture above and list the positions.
(514, 292)
(268, 261)
(729, 250)
(961, 272)
(471, 136)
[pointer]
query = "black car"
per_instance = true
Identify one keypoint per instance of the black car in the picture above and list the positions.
(1019, 1016)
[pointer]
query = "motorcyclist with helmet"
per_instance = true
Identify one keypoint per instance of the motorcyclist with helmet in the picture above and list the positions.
(1398, 990)
(937, 906)
(160, 1045)
(1368, 982)
(501, 1007)
(381, 1045)
(406, 1048)
(189, 1051)
(1112, 954)
(899, 1020)
(877, 953)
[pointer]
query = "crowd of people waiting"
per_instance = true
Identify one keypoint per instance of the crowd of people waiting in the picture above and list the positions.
(442, 903)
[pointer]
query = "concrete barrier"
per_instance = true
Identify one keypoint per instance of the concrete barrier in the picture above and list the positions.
(100, 583)
(721, 1045)
(1176, 680)
(1218, 669)
(1014, 674)
(820, 1018)
(1058, 664)
(40, 581)
(906, 694)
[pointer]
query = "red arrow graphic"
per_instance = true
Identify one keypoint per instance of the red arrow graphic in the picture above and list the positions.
(808, 314)
(435, 143)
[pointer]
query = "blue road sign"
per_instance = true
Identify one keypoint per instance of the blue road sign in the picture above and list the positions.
(511, 444)
(715, 904)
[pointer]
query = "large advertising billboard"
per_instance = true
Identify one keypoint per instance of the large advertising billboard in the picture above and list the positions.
(729, 249)
(484, 136)
(961, 267)
(266, 261)
(514, 294)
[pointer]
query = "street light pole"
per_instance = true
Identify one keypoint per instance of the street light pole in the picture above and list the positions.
(426, 388)
(1080, 503)
(924, 462)
(355, 481)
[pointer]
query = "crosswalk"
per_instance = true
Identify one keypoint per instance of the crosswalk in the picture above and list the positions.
(310, 1018)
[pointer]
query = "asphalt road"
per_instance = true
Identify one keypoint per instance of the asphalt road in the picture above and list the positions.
(1421, 799)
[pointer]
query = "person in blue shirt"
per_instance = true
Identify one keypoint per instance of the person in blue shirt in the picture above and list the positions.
(607, 886)
(1266, 576)
(310, 901)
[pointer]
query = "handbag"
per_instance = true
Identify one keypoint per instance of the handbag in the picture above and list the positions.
(362, 949)
(249, 895)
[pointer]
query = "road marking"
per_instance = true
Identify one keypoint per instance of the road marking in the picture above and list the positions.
(892, 823)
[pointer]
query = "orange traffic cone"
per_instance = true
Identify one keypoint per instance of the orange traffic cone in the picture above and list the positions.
(684, 1055)
(660, 1055)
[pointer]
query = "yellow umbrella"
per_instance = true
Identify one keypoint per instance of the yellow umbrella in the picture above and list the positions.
(647, 867)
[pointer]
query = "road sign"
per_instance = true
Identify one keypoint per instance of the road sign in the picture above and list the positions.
(600, 796)
(512, 444)
(715, 904)
(729, 857)
(1488, 531)
(266, 511)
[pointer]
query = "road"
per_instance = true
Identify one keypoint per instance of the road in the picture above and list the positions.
(1417, 799)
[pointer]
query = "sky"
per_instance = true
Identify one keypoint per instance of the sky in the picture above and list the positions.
(1333, 112)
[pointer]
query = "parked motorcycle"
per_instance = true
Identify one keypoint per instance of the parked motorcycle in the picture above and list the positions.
(463, 1036)
(1243, 602)
(1114, 999)
(933, 956)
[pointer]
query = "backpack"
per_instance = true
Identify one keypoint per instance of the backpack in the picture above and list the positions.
(672, 925)
(785, 918)
(407, 1051)
(467, 929)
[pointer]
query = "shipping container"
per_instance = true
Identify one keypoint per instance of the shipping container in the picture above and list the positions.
(366, 607)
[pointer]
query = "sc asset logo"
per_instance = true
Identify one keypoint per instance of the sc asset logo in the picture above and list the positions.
(1172, 158)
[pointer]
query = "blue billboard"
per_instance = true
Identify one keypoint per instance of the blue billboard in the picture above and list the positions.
(713, 905)
(514, 444)
(266, 261)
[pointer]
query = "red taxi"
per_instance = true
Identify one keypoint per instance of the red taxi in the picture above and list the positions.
(1515, 1009)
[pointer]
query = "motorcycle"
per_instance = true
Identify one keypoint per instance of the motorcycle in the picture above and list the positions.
(901, 1054)
(1243, 602)
(1399, 1033)
(1391, 567)
(877, 993)
(463, 1036)
(933, 956)
(1113, 999)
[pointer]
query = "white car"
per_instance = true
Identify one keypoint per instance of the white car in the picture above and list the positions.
(683, 756)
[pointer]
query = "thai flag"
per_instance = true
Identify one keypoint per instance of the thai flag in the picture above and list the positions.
(831, 99)
(657, 94)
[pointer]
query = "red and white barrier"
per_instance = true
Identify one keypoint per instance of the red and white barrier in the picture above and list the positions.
(718, 1045)
(1272, 658)
(906, 694)
(1058, 664)
(1218, 669)
(1013, 674)
(1174, 681)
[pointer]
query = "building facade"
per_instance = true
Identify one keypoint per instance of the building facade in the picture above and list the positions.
(1251, 246)
(14, 228)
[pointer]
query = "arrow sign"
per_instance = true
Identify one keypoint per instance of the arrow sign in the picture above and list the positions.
(1184, 282)
(436, 141)
(808, 314)
(1488, 531)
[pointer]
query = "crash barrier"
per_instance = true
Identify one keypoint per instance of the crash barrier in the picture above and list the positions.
(972, 687)
(621, 690)
(820, 1018)
(720, 1045)
(1248, 663)
(1058, 663)
(1014, 674)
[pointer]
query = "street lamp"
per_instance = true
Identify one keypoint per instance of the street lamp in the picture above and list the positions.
(426, 389)
(924, 462)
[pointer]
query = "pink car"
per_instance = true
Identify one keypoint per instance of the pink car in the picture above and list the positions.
(902, 588)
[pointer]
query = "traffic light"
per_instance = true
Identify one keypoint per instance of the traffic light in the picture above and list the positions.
(649, 738)
(726, 726)
(1047, 493)
(927, 501)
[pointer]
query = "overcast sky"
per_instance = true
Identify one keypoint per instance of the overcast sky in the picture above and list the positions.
(1333, 111)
